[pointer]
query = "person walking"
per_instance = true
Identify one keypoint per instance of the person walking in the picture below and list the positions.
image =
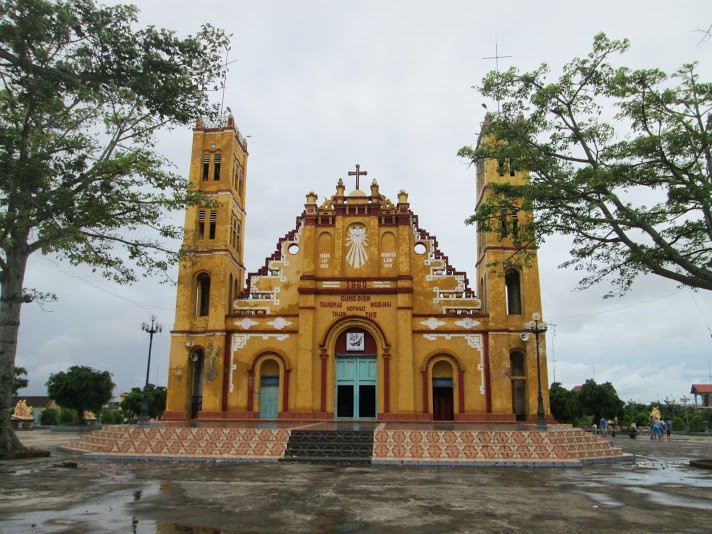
(669, 429)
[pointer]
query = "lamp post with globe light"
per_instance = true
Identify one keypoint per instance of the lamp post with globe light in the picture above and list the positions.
(536, 326)
(152, 328)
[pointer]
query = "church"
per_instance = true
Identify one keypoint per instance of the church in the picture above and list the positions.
(356, 315)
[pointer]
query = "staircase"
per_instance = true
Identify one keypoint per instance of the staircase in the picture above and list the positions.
(330, 446)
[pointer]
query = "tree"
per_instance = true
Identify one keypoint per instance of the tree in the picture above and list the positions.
(565, 406)
(156, 397)
(82, 94)
(19, 380)
(634, 192)
(600, 400)
(81, 388)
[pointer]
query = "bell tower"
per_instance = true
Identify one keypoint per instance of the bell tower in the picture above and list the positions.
(508, 285)
(213, 276)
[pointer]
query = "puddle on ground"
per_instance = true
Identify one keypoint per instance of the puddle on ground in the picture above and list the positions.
(107, 514)
(665, 499)
(604, 500)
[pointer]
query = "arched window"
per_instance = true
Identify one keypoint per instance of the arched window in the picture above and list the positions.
(516, 364)
(217, 159)
(514, 292)
(202, 297)
(206, 167)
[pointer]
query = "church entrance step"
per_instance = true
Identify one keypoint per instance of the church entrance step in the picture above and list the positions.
(330, 446)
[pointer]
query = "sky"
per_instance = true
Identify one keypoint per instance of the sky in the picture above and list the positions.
(320, 86)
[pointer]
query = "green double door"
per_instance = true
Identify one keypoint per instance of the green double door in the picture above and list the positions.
(269, 397)
(356, 387)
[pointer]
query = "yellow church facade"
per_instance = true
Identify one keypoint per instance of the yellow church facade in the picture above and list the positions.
(357, 314)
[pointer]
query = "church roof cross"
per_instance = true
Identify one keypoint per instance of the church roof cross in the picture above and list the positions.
(357, 173)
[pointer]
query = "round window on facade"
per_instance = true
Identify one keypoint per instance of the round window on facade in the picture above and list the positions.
(293, 248)
(420, 248)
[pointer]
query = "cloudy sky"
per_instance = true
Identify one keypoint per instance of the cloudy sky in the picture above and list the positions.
(321, 86)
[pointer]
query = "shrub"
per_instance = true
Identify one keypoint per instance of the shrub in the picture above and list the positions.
(679, 424)
(68, 417)
(50, 416)
(111, 417)
(696, 424)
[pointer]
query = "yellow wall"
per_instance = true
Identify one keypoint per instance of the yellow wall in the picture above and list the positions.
(357, 261)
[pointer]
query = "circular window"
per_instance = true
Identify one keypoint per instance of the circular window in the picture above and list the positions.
(420, 248)
(293, 248)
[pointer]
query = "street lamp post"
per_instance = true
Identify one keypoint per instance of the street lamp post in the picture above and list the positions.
(152, 328)
(536, 326)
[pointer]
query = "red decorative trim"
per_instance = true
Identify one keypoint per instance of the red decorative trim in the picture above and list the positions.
(285, 391)
(198, 332)
(367, 291)
(437, 254)
(324, 358)
(386, 382)
(488, 377)
(240, 415)
(426, 396)
(461, 389)
(305, 416)
(276, 255)
(486, 417)
(250, 389)
(354, 278)
(173, 416)
(422, 417)
(356, 319)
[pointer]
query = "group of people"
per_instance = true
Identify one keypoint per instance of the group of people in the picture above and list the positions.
(658, 427)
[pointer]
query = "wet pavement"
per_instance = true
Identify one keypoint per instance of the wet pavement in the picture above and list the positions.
(659, 492)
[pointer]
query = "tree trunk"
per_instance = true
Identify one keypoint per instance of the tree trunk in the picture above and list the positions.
(11, 299)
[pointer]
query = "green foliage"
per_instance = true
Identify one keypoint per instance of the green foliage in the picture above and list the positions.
(619, 159)
(50, 416)
(585, 421)
(81, 388)
(156, 397)
(600, 400)
(679, 424)
(111, 417)
(564, 404)
(83, 91)
(68, 417)
(19, 380)
(696, 423)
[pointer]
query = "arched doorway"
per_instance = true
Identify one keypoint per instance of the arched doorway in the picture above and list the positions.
(355, 396)
(197, 360)
(269, 389)
(443, 392)
(519, 385)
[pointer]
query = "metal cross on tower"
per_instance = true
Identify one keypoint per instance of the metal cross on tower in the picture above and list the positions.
(496, 58)
(358, 173)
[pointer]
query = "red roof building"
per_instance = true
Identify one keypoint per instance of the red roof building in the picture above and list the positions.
(705, 391)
